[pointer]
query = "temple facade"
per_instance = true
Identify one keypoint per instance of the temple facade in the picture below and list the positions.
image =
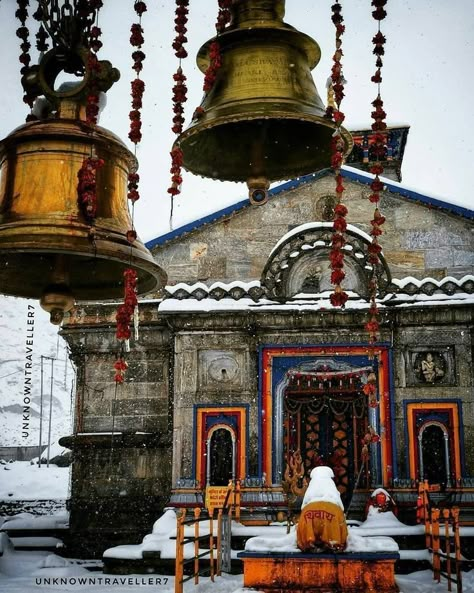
(242, 366)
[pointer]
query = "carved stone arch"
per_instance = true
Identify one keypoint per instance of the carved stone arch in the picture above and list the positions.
(303, 254)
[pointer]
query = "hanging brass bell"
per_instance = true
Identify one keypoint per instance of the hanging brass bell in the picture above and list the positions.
(263, 119)
(49, 250)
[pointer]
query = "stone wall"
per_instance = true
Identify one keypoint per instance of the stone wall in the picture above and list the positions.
(418, 241)
(122, 437)
(441, 329)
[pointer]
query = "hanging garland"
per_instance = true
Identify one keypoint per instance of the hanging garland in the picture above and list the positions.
(179, 94)
(23, 33)
(336, 257)
(368, 439)
(128, 310)
(87, 174)
(370, 390)
(379, 151)
(86, 188)
(215, 59)
(179, 97)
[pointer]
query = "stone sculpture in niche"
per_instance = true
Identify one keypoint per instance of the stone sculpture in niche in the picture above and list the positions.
(430, 367)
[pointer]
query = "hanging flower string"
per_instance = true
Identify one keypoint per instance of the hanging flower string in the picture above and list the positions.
(179, 94)
(89, 12)
(370, 390)
(339, 297)
(86, 188)
(179, 98)
(378, 149)
(23, 34)
(87, 174)
(128, 310)
(215, 59)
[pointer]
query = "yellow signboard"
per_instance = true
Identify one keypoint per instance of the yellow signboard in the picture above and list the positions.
(215, 497)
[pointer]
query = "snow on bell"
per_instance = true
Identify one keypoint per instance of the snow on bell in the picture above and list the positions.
(49, 249)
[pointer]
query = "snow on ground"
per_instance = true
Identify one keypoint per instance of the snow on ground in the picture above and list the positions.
(22, 481)
(15, 331)
(35, 572)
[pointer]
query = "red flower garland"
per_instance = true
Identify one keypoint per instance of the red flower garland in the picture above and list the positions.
(94, 43)
(179, 96)
(378, 149)
(126, 310)
(215, 59)
(368, 439)
(137, 90)
(181, 21)
(86, 188)
(176, 164)
(120, 367)
(339, 297)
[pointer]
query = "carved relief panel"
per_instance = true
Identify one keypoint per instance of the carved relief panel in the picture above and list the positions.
(220, 369)
(431, 366)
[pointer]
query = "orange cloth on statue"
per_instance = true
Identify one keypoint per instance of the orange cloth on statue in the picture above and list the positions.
(321, 524)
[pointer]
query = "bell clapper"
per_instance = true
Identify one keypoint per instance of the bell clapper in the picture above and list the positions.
(57, 297)
(258, 190)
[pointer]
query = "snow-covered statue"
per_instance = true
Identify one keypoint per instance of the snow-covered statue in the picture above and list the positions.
(322, 525)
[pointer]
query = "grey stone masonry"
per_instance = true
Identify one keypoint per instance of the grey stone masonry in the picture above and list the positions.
(417, 240)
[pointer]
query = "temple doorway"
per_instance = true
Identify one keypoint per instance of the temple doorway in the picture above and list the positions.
(325, 419)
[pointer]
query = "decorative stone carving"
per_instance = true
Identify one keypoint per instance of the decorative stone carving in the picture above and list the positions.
(219, 368)
(324, 209)
(431, 367)
(307, 247)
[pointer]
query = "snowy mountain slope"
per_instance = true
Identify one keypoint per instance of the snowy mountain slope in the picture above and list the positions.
(25, 335)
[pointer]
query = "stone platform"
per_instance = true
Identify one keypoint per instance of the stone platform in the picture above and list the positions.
(320, 573)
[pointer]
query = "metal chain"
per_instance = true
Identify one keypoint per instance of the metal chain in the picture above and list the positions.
(59, 15)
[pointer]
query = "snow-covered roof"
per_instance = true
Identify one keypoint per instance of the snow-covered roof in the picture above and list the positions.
(350, 173)
(250, 296)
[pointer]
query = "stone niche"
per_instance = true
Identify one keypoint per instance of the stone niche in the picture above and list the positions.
(430, 366)
(220, 370)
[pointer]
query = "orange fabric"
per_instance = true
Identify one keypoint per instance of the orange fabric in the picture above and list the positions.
(321, 524)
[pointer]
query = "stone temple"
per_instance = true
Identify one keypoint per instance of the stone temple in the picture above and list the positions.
(242, 361)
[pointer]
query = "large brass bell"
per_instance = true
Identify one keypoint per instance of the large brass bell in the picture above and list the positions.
(48, 250)
(263, 119)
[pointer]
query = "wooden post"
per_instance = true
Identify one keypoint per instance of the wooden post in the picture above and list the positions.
(447, 547)
(435, 544)
(179, 569)
(211, 546)
(219, 542)
(457, 547)
(237, 500)
(197, 512)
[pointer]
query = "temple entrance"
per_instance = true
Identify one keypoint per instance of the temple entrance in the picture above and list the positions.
(326, 419)
(221, 457)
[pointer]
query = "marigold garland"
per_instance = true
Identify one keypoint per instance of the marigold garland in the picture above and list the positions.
(120, 366)
(339, 297)
(215, 58)
(378, 150)
(86, 188)
(126, 310)
(369, 438)
(179, 96)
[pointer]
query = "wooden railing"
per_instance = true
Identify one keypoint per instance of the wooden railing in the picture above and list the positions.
(218, 556)
(446, 546)
(442, 537)
(210, 554)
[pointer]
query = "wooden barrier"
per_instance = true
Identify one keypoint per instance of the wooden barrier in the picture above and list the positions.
(443, 527)
(182, 540)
